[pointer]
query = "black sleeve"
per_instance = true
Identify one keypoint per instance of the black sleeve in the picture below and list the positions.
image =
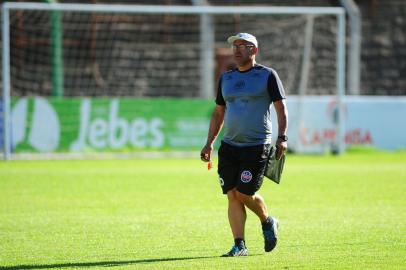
(219, 98)
(275, 87)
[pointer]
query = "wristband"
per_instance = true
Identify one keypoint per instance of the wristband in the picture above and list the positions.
(283, 138)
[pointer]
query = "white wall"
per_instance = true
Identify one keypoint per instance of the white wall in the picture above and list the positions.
(377, 121)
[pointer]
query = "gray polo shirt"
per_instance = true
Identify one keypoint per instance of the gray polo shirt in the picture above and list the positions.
(248, 97)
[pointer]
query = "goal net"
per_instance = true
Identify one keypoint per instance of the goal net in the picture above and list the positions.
(69, 58)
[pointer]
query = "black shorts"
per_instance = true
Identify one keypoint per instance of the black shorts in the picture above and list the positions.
(242, 167)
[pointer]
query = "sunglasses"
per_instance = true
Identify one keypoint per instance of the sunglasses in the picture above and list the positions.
(241, 47)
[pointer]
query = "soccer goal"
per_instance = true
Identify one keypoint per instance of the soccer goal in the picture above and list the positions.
(91, 77)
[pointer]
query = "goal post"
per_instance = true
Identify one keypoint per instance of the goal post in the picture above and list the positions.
(180, 60)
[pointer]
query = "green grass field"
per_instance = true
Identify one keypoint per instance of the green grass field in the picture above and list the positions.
(345, 212)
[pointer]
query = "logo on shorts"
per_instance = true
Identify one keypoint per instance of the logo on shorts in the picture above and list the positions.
(246, 176)
(221, 181)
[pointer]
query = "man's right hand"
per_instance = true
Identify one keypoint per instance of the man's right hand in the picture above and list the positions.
(205, 154)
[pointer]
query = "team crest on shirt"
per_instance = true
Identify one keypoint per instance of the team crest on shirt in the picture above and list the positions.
(246, 176)
(221, 181)
(239, 85)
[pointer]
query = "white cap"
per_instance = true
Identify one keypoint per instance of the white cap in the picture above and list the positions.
(243, 36)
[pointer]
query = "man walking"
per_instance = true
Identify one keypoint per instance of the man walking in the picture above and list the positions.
(243, 105)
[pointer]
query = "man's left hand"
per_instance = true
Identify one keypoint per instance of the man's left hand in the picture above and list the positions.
(281, 147)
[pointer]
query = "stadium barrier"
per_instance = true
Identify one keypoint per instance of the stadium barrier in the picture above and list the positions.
(127, 125)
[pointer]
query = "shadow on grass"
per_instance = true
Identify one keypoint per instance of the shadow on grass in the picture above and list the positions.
(104, 264)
